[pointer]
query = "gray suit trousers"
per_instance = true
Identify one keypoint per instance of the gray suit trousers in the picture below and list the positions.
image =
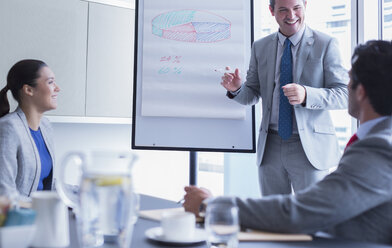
(286, 167)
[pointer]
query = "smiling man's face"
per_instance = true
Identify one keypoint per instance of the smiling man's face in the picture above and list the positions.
(290, 15)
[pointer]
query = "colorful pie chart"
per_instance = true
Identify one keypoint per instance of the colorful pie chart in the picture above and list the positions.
(191, 26)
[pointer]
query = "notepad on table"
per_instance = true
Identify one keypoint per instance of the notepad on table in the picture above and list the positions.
(252, 235)
(156, 214)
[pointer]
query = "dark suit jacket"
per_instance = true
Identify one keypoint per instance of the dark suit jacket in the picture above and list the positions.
(353, 202)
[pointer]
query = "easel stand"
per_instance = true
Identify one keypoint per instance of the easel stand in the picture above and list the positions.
(193, 168)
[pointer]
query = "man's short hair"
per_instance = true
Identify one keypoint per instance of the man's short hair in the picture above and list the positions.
(372, 68)
(272, 3)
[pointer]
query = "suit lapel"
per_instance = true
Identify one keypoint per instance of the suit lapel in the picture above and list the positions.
(22, 116)
(271, 63)
(304, 49)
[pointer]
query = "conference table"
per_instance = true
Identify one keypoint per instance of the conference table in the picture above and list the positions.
(139, 239)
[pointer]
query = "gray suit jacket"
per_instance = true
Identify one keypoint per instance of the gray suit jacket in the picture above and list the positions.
(20, 164)
(354, 202)
(320, 71)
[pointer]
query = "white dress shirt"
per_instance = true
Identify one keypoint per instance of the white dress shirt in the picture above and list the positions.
(364, 128)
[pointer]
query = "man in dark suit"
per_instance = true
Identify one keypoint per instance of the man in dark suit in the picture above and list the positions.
(355, 201)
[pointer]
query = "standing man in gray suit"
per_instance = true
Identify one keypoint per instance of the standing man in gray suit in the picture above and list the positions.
(298, 74)
(355, 201)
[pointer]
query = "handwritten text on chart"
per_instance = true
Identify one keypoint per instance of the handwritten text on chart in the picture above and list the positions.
(170, 64)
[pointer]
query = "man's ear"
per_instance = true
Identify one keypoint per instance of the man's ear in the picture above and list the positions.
(360, 92)
(28, 90)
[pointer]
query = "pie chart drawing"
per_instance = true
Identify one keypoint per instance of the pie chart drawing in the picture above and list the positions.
(191, 26)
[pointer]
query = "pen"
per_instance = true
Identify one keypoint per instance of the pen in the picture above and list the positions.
(224, 70)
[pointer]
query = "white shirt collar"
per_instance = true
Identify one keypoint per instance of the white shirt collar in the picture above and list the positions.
(295, 38)
(364, 128)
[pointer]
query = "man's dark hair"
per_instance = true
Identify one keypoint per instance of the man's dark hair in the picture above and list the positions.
(372, 68)
(272, 3)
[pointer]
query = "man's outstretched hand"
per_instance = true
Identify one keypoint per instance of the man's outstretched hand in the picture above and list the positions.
(231, 81)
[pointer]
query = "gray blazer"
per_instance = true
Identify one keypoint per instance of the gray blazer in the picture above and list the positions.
(353, 202)
(20, 164)
(319, 70)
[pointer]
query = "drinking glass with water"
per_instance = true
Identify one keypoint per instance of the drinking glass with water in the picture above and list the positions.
(105, 205)
(221, 224)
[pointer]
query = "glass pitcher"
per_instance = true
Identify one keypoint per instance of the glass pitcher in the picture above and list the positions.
(104, 199)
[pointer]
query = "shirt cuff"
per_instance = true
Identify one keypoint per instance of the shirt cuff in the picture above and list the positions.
(232, 94)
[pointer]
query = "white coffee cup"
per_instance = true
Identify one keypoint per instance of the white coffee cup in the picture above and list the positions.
(178, 225)
(51, 221)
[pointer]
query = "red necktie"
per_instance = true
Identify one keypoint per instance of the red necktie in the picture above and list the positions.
(352, 140)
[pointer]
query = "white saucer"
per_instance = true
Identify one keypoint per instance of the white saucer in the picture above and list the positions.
(156, 234)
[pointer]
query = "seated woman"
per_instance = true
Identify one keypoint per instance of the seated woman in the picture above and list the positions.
(26, 146)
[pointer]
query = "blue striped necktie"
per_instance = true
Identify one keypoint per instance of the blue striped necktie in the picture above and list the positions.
(285, 128)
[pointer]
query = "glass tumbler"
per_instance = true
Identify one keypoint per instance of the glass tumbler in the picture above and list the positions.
(221, 224)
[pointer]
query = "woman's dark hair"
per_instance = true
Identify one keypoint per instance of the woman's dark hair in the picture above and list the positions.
(23, 72)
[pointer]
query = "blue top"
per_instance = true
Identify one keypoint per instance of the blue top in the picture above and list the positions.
(46, 159)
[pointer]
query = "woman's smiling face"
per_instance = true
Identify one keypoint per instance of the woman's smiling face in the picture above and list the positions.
(46, 90)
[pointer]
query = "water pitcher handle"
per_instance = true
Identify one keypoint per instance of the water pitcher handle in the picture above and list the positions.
(67, 192)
